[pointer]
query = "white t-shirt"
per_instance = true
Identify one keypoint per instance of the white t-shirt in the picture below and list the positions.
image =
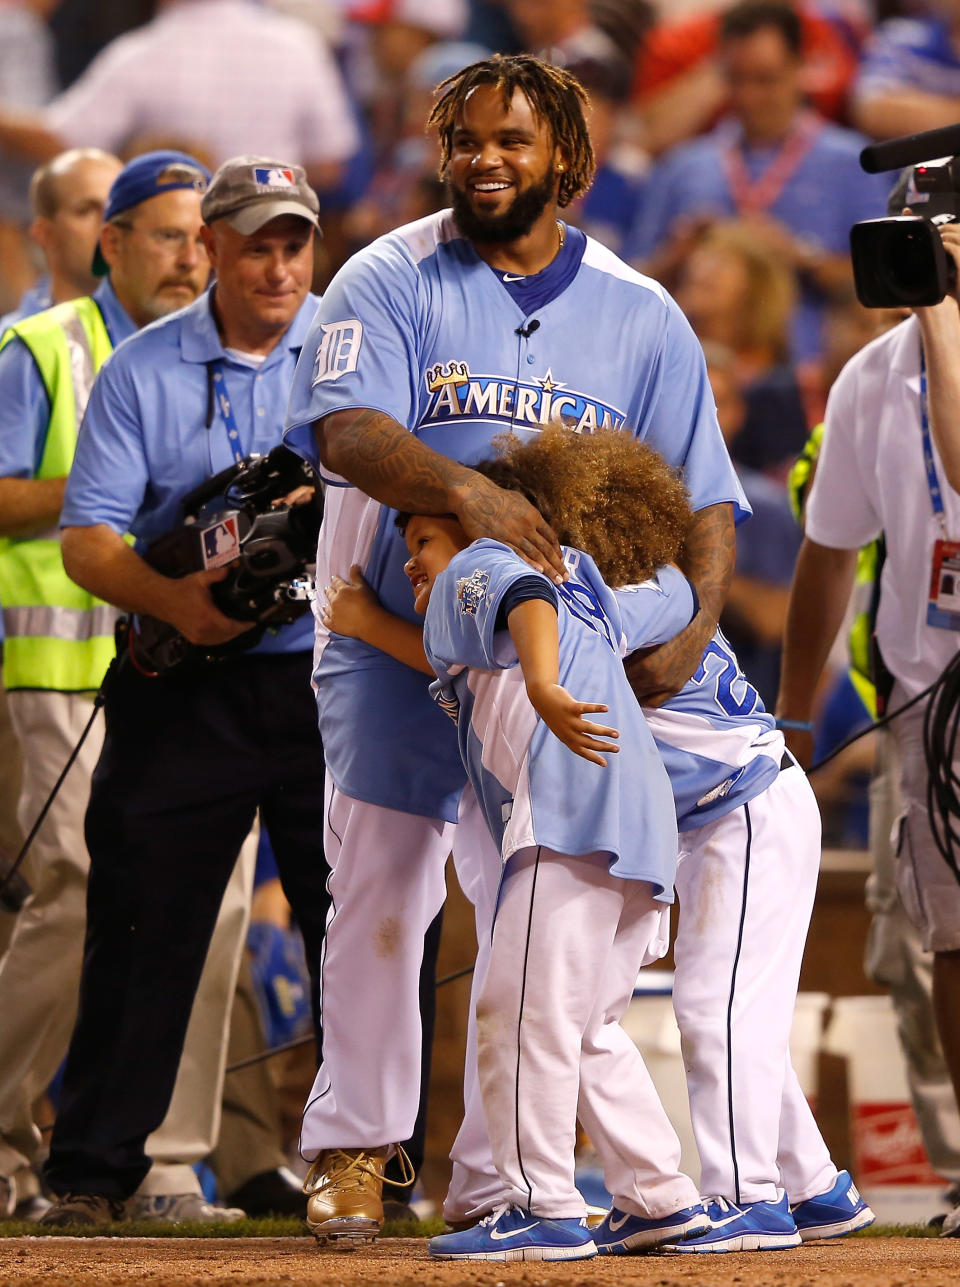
(224, 75)
(870, 478)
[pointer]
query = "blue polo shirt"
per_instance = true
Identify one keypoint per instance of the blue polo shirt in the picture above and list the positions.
(24, 405)
(33, 300)
(826, 194)
(144, 443)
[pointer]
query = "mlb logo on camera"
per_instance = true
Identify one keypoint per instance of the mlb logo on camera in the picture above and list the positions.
(221, 543)
(265, 177)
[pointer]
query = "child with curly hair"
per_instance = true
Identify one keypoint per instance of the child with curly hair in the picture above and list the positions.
(746, 876)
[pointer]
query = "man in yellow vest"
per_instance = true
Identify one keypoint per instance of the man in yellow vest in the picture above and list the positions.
(67, 197)
(59, 639)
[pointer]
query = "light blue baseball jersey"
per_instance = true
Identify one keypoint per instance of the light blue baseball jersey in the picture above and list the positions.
(144, 442)
(419, 327)
(719, 744)
(534, 790)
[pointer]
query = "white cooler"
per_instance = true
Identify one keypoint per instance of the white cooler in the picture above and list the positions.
(890, 1163)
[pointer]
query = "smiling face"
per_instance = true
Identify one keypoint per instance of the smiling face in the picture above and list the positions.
(262, 279)
(503, 167)
(432, 540)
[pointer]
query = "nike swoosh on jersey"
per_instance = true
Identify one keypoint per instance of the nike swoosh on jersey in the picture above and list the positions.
(511, 1233)
(514, 277)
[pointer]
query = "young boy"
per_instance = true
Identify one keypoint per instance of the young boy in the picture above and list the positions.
(749, 853)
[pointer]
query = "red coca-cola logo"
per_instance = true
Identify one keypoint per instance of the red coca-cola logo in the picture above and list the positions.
(889, 1147)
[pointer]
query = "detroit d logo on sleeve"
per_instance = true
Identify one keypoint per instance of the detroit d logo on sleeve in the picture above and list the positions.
(338, 350)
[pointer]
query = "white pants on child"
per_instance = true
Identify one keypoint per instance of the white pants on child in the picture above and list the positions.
(568, 941)
(745, 884)
(744, 912)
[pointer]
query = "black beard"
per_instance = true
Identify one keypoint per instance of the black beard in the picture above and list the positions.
(516, 221)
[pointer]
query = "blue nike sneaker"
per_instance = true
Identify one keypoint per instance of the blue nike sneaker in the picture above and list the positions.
(760, 1226)
(839, 1211)
(511, 1233)
(622, 1233)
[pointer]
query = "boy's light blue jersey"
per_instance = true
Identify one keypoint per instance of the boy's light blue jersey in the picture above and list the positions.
(417, 326)
(720, 745)
(533, 789)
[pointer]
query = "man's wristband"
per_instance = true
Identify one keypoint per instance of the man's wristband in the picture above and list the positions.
(796, 725)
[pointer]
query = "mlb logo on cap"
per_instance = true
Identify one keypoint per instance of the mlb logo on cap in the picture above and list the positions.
(249, 191)
(221, 543)
(274, 178)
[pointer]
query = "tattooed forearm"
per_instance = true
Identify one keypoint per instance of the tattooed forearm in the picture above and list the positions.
(709, 555)
(376, 454)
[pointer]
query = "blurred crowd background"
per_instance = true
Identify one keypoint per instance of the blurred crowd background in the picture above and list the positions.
(727, 139)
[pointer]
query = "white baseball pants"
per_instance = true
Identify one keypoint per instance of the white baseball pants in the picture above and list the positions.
(746, 885)
(386, 886)
(744, 914)
(568, 941)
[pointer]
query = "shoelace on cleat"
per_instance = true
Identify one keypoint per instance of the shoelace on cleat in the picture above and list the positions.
(338, 1170)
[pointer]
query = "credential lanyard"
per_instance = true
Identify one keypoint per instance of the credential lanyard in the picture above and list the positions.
(752, 197)
(226, 411)
(933, 482)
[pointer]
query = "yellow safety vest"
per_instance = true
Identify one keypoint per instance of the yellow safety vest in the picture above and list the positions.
(57, 635)
(870, 560)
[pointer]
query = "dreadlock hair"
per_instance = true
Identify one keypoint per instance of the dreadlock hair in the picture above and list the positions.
(555, 96)
(603, 492)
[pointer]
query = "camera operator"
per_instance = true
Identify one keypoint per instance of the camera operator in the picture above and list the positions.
(188, 758)
(890, 464)
(59, 638)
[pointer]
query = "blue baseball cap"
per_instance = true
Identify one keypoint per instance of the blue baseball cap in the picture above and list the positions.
(146, 176)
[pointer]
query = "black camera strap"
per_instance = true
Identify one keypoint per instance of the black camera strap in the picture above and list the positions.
(10, 879)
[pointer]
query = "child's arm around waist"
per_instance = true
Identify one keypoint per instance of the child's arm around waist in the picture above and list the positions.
(353, 609)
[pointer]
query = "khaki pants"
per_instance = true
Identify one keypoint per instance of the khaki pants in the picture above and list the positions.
(39, 973)
(11, 837)
(895, 958)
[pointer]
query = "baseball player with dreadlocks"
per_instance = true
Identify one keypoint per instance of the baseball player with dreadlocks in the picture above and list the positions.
(493, 315)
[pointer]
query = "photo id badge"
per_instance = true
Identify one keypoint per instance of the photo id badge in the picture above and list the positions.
(943, 607)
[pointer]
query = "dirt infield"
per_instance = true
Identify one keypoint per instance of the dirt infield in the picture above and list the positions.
(103, 1262)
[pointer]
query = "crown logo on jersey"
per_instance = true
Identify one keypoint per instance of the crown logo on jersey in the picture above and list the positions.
(470, 591)
(456, 373)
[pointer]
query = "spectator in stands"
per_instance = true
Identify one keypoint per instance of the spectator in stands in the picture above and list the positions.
(791, 175)
(609, 209)
(910, 76)
(561, 31)
(405, 185)
(738, 294)
(756, 609)
(27, 80)
(681, 87)
(67, 197)
(224, 76)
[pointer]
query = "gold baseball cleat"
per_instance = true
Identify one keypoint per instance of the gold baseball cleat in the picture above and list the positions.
(345, 1194)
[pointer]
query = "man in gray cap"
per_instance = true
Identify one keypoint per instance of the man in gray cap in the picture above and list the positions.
(191, 756)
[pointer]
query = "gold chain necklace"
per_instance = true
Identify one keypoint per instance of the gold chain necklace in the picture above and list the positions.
(562, 231)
